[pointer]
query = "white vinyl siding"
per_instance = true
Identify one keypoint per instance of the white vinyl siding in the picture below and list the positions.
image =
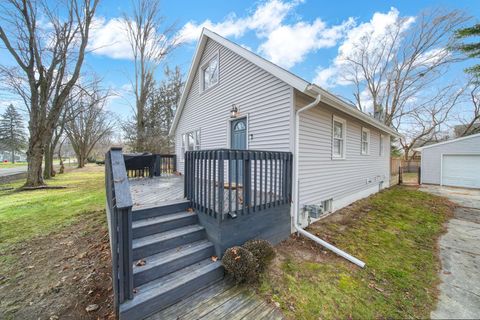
(431, 162)
(264, 98)
(322, 177)
(190, 142)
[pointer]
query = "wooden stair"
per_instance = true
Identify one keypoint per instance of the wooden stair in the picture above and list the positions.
(175, 258)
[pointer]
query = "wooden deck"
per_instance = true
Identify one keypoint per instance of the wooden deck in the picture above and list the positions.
(150, 192)
(222, 300)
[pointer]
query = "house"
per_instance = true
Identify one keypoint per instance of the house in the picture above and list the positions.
(262, 153)
(452, 163)
(342, 153)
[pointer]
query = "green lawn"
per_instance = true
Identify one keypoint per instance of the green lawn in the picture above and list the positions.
(395, 232)
(26, 214)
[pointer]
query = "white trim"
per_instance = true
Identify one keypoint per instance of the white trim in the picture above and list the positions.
(344, 137)
(201, 70)
(368, 142)
(453, 154)
(448, 141)
(229, 130)
(381, 145)
(284, 75)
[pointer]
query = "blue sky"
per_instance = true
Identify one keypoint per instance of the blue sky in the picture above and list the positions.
(276, 37)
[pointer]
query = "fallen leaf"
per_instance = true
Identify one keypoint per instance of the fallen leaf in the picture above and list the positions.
(214, 258)
(190, 210)
(91, 307)
(140, 263)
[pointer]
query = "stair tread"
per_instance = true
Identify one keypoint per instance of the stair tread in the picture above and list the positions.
(160, 219)
(159, 205)
(157, 237)
(164, 284)
(171, 255)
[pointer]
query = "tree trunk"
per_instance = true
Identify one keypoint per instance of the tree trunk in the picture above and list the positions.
(81, 160)
(13, 155)
(35, 156)
(48, 171)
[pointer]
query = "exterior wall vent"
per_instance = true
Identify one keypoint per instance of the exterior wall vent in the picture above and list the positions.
(315, 211)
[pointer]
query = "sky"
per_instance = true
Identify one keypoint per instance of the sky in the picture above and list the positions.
(305, 37)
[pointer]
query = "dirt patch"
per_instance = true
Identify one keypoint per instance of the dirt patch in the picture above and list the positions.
(60, 275)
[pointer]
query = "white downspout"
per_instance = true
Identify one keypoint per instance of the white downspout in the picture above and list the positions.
(296, 224)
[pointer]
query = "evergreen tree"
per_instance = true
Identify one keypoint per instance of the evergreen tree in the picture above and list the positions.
(471, 49)
(12, 134)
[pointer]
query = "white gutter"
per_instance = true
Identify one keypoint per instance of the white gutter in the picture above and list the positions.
(296, 224)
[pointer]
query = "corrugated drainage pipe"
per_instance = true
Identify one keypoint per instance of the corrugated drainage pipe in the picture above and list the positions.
(297, 226)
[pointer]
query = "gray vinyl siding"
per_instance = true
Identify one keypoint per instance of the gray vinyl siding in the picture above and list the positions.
(431, 162)
(322, 177)
(265, 99)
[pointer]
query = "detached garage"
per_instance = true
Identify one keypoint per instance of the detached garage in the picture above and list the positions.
(453, 163)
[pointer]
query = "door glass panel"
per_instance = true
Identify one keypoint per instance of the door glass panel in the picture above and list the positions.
(239, 126)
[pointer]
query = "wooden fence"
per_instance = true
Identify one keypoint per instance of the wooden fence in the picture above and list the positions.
(398, 167)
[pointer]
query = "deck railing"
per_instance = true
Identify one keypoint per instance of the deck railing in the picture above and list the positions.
(140, 165)
(231, 182)
(119, 217)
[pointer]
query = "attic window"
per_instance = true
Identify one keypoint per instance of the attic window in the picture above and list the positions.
(210, 73)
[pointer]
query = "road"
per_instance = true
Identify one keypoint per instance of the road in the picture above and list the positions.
(460, 256)
(5, 172)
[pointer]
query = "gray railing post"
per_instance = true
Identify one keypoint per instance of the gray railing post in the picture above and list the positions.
(247, 182)
(119, 215)
(221, 183)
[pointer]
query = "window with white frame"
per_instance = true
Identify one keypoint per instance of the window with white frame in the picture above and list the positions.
(210, 73)
(190, 141)
(339, 138)
(365, 141)
(382, 145)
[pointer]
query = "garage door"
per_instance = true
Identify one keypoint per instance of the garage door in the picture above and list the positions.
(461, 171)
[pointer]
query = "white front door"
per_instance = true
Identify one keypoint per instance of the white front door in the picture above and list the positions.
(461, 170)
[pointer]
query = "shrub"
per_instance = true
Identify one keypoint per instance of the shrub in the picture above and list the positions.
(241, 264)
(262, 250)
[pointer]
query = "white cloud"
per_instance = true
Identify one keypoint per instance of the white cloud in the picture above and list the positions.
(377, 31)
(109, 38)
(264, 19)
(289, 44)
(282, 43)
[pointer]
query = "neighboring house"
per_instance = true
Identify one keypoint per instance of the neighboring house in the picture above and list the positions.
(452, 163)
(342, 153)
(7, 156)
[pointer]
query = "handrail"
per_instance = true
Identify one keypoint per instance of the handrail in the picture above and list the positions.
(119, 217)
(226, 182)
(148, 164)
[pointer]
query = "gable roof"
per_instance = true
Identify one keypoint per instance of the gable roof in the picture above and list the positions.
(449, 141)
(286, 76)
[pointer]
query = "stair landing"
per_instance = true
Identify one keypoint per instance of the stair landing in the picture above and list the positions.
(222, 300)
(153, 192)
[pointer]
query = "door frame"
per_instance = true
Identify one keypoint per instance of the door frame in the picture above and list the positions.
(453, 154)
(229, 131)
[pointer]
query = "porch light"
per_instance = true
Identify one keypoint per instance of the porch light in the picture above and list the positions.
(234, 111)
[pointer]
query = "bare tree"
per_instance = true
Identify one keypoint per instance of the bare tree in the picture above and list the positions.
(90, 125)
(395, 73)
(470, 123)
(48, 57)
(150, 43)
